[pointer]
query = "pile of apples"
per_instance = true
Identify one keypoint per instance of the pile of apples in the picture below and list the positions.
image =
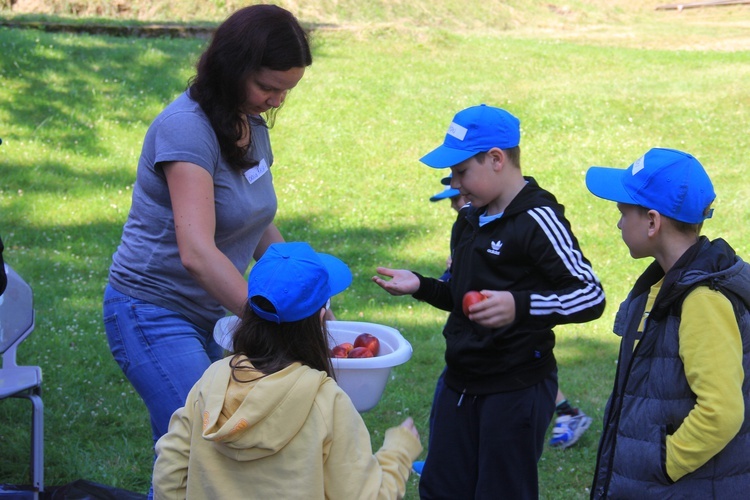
(365, 345)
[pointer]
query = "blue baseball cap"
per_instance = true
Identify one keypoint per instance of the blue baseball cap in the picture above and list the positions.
(296, 280)
(475, 130)
(448, 192)
(666, 180)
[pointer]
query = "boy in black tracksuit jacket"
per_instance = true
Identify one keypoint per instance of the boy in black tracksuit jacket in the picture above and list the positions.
(514, 245)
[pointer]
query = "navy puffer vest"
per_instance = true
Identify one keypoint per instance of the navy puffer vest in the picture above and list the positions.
(651, 397)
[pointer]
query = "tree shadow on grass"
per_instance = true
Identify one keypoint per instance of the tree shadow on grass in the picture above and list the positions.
(56, 80)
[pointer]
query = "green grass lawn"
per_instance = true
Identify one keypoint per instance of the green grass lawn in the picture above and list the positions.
(74, 108)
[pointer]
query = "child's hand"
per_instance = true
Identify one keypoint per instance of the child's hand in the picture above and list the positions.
(409, 424)
(402, 282)
(499, 309)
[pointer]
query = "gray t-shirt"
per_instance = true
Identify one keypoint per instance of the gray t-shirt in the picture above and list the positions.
(147, 262)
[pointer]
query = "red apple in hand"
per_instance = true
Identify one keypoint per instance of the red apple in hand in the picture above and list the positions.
(471, 298)
(369, 341)
(360, 352)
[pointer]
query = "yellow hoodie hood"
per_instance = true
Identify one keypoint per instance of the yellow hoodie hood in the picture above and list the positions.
(255, 419)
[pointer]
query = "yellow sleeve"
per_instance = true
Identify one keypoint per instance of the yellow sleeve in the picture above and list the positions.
(711, 351)
(173, 452)
(353, 471)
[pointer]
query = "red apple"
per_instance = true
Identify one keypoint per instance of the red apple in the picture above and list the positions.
(471, 298)
(342, 350)
(360, 352)
(338, 352)
(369, 341)
(347, 346)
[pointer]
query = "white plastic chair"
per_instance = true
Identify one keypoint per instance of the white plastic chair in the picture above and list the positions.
(16, 323)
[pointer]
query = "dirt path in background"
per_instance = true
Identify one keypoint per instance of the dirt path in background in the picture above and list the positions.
(697, 31)
(145, 30)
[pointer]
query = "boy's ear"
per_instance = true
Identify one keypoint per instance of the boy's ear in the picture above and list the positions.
(654, 222)
(497, 155)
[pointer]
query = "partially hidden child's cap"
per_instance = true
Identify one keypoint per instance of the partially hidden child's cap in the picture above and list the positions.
(296, 280)
(666, 180)
(448, 192)
(475, 130)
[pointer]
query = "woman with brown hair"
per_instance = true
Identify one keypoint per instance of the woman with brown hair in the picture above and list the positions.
(203, 207)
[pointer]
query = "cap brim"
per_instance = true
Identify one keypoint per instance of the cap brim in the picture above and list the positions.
(446, 181)
(606, 183)
(339, 275)
(445, 193)
(445, 157)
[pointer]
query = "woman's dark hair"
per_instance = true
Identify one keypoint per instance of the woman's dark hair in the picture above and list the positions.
(271, 347)
(255, 37)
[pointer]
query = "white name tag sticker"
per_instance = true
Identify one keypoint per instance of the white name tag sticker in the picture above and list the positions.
(253, 174)
(639, 164)
(457, 131)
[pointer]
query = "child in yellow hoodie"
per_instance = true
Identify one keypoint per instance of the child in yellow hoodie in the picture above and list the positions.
(270, 420)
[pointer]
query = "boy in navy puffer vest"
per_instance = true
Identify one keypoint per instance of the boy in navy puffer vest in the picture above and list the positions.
(676, 423)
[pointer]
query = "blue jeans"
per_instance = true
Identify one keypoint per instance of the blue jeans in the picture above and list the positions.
(160, 351)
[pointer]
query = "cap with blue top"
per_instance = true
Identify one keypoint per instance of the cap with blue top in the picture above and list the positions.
(296, 280)
(475, 130)
(447, 192)
(669, 181)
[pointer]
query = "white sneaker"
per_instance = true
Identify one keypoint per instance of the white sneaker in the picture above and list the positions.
(568, 429)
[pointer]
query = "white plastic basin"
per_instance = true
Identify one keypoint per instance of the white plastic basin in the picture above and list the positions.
(363, 379)
(223, 331)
